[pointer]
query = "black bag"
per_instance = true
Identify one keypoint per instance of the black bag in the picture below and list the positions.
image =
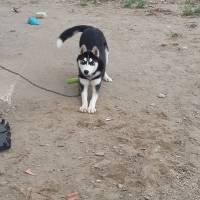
(5, 135)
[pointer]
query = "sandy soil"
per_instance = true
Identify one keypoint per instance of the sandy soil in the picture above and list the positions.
(137, 146)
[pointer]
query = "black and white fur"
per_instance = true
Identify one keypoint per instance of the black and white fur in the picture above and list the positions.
(92, 62)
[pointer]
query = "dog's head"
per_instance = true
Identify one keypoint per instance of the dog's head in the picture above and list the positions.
(88, 61)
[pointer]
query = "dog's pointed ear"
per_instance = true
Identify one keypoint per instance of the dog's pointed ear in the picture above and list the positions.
(83, 49)
(95, 51)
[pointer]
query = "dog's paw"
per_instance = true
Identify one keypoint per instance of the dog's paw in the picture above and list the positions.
(107, 78)
(83, 108)
(91, 109)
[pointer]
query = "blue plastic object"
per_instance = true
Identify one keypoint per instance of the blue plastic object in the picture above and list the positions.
(33, 21)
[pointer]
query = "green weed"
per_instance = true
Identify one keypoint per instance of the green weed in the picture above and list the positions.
(191, 9)
(133, 3)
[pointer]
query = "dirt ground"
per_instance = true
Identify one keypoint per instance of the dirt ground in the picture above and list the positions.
(137, 146)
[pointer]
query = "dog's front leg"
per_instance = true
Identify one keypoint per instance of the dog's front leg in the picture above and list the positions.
(84, 94)
(96, 84)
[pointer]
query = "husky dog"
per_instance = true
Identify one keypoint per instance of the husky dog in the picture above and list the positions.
(92, 62)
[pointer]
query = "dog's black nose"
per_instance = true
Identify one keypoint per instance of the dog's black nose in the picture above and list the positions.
(86, 72)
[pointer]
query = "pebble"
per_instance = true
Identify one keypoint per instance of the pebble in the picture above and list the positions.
(41, 15)
(108, 119)
(99, 153)
(120, 186)
(42, 145)
(117, 108)
(16, 10)
(98, 181)
(161, 95)
(193, 25)
(178, 121)
(163, 45)
(60, 145)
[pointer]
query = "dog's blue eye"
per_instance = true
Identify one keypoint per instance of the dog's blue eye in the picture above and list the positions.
(83, 62)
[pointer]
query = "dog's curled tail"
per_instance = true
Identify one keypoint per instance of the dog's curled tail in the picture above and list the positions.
(69, 33)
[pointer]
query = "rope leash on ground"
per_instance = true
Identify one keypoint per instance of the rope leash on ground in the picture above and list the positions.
(36, 85)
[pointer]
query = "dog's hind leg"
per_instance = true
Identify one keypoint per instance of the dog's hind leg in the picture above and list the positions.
(106, 77)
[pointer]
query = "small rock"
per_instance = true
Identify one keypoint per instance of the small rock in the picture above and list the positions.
(29, 172)
(99, 153)
(185, 47)
(117, 108)
(120, 186)
(130, 195)
(193, 25)
(152, 104)
(15, 10)
(42, 145)
(41, 15)
(175, 44)
(178, 121)
(161, 95)
(60, 145)
(109, 119)
(98, 181)
(72, 196)
(81, 141)
(163, 45)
